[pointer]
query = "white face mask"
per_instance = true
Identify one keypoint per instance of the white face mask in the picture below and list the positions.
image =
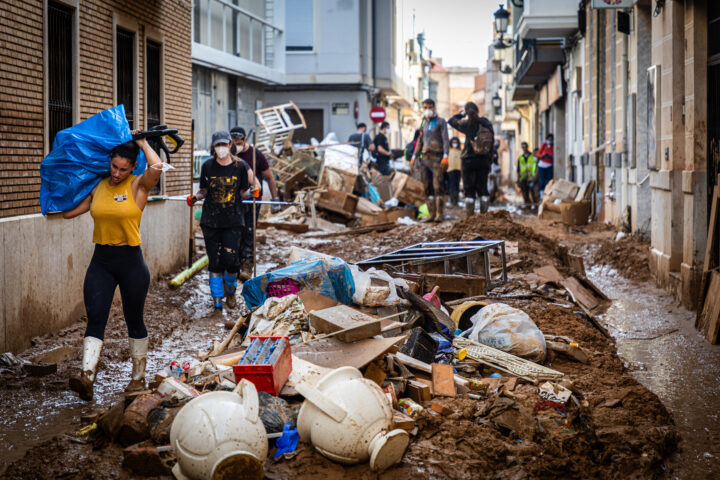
(222, 152)
(428, 113)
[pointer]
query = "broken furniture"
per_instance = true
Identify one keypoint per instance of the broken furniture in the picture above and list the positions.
(275, 126)
(471, 257)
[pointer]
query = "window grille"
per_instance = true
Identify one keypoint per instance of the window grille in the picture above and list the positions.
(60, 65)
(125, 73)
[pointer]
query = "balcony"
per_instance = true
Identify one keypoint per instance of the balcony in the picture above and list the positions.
(537, 60)
(548, 19)
(240, 41)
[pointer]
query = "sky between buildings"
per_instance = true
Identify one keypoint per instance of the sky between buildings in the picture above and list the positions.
(459, 31)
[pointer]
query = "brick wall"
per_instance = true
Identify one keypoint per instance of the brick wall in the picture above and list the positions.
(22, 108)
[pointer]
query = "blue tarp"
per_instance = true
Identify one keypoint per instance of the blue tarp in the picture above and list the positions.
(328, 276)
(81, 158)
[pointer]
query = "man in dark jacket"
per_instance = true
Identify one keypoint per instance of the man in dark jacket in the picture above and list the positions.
(475, 165)
(434, 146)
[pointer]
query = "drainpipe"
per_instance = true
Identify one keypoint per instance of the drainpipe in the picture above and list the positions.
(624, 79)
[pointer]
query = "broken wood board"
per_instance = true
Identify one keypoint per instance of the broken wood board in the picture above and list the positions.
(506, 362)
(443, 379)
(710, 316)
(548, 273)
(332, 353)
(228, 358)
(581, 295)
(512, 263)
(402, 421)
(511, 248)
(367, 207)
(408, 189)
(291, 227)
(375, 373)
(357, 325)
(337, 201)
(313, 301)
(303, 371)
(382, 227)
(409, 361)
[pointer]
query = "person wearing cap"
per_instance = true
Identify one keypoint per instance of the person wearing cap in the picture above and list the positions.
(243, 150)
(224, 181)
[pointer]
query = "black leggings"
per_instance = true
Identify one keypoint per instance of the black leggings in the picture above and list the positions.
(112, 266)
(223, 248)
(475, 174)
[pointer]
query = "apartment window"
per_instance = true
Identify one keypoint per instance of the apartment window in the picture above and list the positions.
(299, 28)
(125, 73)
(152, 71)
(60, 65)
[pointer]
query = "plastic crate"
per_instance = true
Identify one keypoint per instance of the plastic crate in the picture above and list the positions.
(267, 378)
(282, 288)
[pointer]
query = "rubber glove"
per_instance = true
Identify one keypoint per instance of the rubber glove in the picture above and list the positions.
(444, 162)
(191, 200)
(412, 162)
(255, 193)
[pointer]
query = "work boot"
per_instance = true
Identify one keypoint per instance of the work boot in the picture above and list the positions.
(484, 201)
(83, 383)
(439, 208)
(217, 291)
(230, 286)
(430, 202)
(469, 206)
(138, 354)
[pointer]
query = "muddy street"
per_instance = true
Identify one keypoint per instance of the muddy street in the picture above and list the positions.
(655, 340)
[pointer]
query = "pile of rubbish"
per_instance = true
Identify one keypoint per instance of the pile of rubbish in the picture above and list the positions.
(352, 363)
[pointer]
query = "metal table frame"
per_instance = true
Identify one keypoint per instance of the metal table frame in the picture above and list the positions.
(421, 254)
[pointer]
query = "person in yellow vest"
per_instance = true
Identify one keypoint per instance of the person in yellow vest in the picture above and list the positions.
(116, 205)
(527, 174)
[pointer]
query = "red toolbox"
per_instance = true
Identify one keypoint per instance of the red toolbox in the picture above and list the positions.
(267, 378)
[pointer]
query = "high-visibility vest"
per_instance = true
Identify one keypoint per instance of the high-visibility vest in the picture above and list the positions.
(528, 166)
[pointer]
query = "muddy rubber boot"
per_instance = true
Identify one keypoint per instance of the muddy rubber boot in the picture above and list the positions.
(469, 207)
(431, 210)
(83, 383)
(439, 209)
(138, 354)
(484, 201)
(217, 291)
(230, 286)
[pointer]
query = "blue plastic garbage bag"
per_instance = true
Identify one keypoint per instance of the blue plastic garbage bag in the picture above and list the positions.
(327, 276)
(289, 440)
(444, 345)
(81, 158)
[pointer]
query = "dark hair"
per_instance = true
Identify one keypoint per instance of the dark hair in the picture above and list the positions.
(429, 101)
(456, 139)
(128, 150)
(383, 125)
(549, 135)
(361, 125)
(472, 110)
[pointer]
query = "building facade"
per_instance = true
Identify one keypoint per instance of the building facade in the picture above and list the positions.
(60, 63)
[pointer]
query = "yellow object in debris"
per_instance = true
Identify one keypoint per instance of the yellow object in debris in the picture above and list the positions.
(574, 345)
(183, 276)
(423, 211)
(461, 354)
(459, 313)
(86, 430)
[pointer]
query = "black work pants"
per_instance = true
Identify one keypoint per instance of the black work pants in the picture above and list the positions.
(475, 174)
(112, 266)
(454, 185)
(223, 248)
(248, 239)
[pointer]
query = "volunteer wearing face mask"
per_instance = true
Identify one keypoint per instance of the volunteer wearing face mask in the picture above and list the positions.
(454, 165)
(224, 181)
(546, 154)
(434, 146)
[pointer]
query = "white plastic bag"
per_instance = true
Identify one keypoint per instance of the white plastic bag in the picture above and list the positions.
(375, 288)
(508, 329)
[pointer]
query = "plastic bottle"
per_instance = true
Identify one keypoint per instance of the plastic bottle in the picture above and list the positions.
(409, 407)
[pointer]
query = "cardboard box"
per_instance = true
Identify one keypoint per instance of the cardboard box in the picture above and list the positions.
(575, 213)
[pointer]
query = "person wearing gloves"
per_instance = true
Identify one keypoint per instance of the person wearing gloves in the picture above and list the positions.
(546, 155)
(434, 146)
(244, 151)
(116, 205)
(224, 181)
(527, 174)
(476, 155)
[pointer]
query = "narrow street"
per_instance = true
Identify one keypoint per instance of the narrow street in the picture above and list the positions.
(655, 340)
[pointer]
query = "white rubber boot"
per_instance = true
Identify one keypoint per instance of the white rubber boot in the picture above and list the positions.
(138, 354)
(83, 383)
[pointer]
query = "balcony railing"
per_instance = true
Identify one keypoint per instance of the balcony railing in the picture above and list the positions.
(537, 59)
(224, 26)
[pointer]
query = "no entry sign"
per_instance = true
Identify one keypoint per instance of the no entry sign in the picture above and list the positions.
(377, 114)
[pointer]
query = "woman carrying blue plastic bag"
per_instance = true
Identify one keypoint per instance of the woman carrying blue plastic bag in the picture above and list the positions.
(116, 204)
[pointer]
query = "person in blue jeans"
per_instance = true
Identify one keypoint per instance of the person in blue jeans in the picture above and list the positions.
(546, 155)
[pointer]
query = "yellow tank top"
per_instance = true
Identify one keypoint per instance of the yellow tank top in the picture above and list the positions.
(117, 216)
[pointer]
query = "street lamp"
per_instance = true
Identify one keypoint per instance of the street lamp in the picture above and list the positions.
(501, 20)
(496, 101)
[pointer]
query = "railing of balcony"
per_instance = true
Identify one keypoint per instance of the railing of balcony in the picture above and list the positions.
(225, 26)
(525, 54)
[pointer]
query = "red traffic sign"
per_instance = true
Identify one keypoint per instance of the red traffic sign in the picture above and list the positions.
(377, 114)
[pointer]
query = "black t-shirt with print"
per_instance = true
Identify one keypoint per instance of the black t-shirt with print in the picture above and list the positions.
(223, 204)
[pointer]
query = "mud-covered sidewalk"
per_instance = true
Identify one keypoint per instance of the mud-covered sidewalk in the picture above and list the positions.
(620, 428)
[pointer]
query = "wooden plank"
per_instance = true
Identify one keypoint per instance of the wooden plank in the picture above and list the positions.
(710, 316)
(418, 391)
(708, 262)
(292, 227)
(332, 353)
(409, 361)
(357, 325)
(549, 273)
(443, 379)
(314, 301)
(580, 294)
(375, 373)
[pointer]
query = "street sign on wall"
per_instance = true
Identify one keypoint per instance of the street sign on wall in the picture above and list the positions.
(377, 114)
(605, 4)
